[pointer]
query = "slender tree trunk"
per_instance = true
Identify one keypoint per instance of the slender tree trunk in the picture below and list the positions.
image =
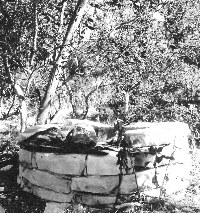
(20, 94)
(127, 96)
(50, 92)
(56, 69)
(23, 108)
(74, 113)
(87, 97)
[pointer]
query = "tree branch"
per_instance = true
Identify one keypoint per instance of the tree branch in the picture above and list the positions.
(73, 24)
(87, 99)
(62, 16)
(58, 109)
(32, 56)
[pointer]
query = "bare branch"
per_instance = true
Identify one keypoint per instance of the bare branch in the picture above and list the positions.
(5, 116)
(30, 79)
(87, 99)
(11, 106)
(35, 32)
(58, 109)
(73, 24)
(62, 16)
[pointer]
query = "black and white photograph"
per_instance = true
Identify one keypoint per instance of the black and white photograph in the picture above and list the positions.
(99, 106)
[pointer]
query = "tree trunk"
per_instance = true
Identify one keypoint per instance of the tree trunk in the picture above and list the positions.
(20, 94)
(50, 92)
(23, 108)
(56, 69)
(127, 96)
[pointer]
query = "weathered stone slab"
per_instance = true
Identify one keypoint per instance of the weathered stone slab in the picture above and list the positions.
(129, 183)
(148, 137)
(180, 155)
(106, 164)
(96, 184)
(70, 164)
(96, 200)
(103, 164)
(168, 154)
(148, 134)
(46, 180)
(168, 174)
(53, 207)
(170, 180)
(25, 156)
(164, 176)
(46, 194)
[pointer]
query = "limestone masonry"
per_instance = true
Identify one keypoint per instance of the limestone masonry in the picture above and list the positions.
(159, 164)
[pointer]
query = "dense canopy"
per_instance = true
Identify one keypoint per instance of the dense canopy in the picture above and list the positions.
(133, 59)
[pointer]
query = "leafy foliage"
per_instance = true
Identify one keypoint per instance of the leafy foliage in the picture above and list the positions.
(146, 49)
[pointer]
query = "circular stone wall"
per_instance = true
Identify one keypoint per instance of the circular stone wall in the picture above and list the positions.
(96, 180)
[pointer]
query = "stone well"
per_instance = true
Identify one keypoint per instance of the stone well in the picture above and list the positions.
(95, 180)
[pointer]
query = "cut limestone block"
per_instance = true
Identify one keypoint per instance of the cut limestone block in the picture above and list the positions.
(169, 184)
(25, 156)
(169, 154)
(147, 137)
(179, 155)
(106, 164)
(96, 200)
(46, 194)
(159, 133)
(96, 184)
(46, 180)
(167, 175)
(53, 207)
(69, 164)
(103, 164)
(154, 178)
(142, 180)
